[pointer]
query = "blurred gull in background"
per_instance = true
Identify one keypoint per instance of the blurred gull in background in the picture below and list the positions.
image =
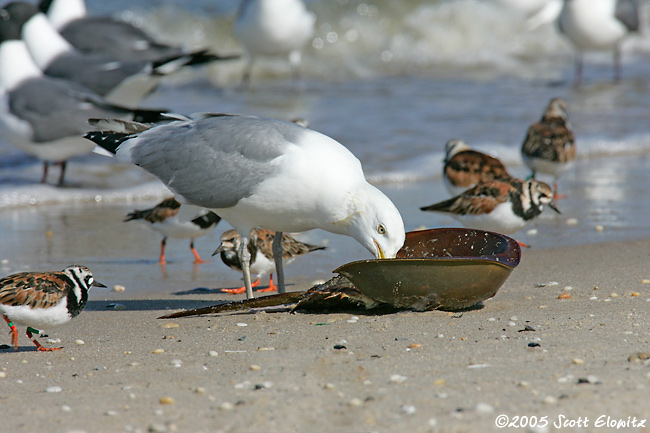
(598, 25)
(274, 28)
(45, 116)
(112, 37)
(537, 12)
(118, 81)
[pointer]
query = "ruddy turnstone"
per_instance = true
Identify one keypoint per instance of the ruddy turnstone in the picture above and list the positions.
(463, 167)
(501, 205)
(274, 28)
(120, 82)
(180, 222)
(261, 250)
(46, 116)
(258, 172)
(106, 35)
(598, 25)
(549, 146)
(44, 299)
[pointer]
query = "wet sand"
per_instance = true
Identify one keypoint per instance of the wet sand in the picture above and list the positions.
(526, 355)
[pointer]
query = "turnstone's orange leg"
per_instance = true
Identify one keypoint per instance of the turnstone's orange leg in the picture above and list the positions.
(523, 245)
(557, 196)
(13, 332)
(197, 258)
(241, 289)
(162, 260)
(39, 347)
(272, 287)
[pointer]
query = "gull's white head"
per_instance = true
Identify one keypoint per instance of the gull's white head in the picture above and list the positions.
(375, 223)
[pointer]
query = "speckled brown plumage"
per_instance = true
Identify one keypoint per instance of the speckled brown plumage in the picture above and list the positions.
(464, 167)
(34, 289)
(44, 299)
(481, 199)
(260, 248)
(503, 206)
(163, 210)
(291, 247)
(551, 139)
(471, 167)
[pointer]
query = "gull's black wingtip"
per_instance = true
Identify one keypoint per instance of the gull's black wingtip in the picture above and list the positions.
(107, 140)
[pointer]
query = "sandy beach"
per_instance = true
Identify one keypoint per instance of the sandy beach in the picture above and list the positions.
(564, 346)
(526, 357)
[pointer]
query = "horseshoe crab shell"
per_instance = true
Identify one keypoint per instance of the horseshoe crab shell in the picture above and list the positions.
(449, 268)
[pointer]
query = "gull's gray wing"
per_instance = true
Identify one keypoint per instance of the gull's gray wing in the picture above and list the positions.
(627, 11)
(56, 108)
(218, 160)
(119, 39)
(99, 73)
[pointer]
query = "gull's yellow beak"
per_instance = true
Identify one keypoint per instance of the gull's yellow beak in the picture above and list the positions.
(380, 252)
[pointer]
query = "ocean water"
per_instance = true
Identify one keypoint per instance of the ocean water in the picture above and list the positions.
(391, 80)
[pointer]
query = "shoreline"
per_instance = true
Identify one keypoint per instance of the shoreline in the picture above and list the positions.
(524, 353)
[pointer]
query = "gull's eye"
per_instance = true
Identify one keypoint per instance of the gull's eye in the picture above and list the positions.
(381, 229)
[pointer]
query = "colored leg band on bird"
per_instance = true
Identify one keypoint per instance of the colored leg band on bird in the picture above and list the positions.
(38, 345)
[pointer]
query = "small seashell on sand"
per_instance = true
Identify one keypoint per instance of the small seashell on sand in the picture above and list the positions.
(170, 325)
(355, 402)
(79, 342)
(484, 408)
(157, 351)
(226, 405)
(408, 409)
(167, 400)
(119, 288)
(639, 357)
(564, 295)
(549, 399)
